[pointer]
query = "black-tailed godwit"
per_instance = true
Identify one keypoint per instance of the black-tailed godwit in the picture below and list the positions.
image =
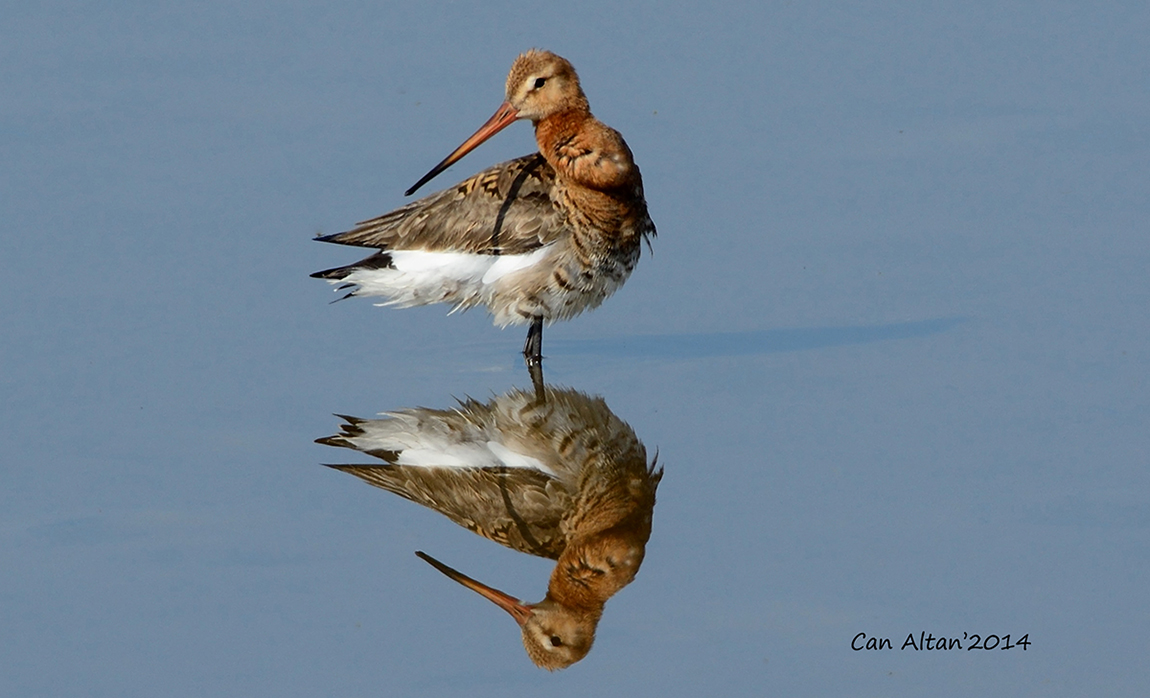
(560, 477)
(536, 239)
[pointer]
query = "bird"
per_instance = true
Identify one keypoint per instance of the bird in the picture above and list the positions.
(550, 472)
(536, 239)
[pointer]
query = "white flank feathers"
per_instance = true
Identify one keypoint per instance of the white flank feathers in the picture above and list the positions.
(432, 443)
(421, 276)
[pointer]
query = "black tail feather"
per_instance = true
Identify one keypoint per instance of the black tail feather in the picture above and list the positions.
(379, 260)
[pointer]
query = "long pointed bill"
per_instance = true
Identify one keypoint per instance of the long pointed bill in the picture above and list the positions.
(515, 607)
(503, 117)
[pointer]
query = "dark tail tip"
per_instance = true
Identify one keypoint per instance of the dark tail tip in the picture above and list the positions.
(334, 273)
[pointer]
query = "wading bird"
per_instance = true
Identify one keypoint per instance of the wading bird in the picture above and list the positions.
(552, 473)
(539, 238)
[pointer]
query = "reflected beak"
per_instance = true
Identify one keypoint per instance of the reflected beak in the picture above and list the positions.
(518, 610)
(503, 117)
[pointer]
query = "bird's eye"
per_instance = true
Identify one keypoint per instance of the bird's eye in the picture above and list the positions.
(540, 82)
(556, 641)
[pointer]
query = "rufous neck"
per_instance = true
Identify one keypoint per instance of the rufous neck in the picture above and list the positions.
(559, 128)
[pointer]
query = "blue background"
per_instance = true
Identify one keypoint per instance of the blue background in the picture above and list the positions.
(892, 346)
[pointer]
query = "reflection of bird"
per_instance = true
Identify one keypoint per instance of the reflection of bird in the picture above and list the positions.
(539, 238)
(560, 477)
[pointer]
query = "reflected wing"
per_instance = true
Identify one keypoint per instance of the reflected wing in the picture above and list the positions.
(518, 508)
(506, 209)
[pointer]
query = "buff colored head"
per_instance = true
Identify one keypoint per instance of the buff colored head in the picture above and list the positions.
(556, 637)
(542, 84)
(539, 85)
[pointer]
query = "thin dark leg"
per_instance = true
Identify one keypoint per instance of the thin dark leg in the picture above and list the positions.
(536, 373)
(533, 347)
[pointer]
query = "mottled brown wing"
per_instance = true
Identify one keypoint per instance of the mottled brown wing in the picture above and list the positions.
(518, 508)
(506, 209)
(613, 493)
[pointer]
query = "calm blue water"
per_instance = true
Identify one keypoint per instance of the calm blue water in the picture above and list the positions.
(890, 346)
